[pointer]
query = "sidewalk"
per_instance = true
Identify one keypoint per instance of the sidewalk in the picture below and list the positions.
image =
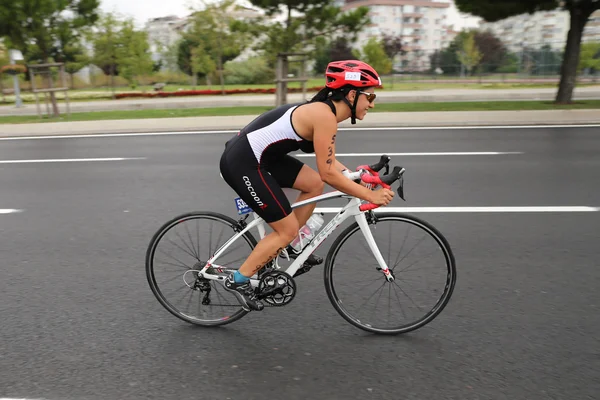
(435, 95)
(374, 120)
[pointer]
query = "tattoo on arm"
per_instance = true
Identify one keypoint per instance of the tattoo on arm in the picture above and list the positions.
(330, 149)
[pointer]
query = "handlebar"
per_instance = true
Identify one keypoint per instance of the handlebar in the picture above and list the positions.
(370, 174)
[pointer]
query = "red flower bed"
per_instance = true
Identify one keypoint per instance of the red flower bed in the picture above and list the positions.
(211, 92)
(13, 69)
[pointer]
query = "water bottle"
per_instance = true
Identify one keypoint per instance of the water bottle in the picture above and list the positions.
(307, 232)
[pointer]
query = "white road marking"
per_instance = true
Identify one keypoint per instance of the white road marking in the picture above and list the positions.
(8, 211)
(60, 160)
(386, 128)
(509, 209)
(108, 135)
(457, 153)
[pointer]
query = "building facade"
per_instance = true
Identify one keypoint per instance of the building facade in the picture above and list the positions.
(544, 28)
(164, 31)
(422, 24)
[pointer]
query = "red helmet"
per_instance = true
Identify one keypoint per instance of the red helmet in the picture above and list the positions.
(351, 72)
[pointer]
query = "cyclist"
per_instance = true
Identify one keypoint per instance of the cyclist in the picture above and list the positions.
(256, 164)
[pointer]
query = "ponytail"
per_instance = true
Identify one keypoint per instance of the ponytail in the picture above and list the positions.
(321, 96)
(326, 94)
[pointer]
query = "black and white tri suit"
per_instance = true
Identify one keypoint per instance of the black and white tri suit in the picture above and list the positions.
(256, 163)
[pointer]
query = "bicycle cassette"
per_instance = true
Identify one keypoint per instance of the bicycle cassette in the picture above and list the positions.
(276, 288)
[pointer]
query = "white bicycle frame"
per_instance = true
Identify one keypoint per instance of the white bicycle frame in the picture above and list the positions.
(349, 210)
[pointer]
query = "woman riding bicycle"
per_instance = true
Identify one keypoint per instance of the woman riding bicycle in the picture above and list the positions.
(256, 164)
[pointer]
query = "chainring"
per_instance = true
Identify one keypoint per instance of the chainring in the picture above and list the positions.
(276, 288)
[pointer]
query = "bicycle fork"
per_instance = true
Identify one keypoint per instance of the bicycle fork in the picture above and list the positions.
(361, 219)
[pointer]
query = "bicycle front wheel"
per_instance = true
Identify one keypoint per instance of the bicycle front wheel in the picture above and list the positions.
(420, 259)
(178, 250)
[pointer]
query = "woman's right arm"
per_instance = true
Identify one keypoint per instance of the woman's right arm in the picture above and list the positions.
(324, 138)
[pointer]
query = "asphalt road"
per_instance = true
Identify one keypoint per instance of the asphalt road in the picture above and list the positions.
(78, 320)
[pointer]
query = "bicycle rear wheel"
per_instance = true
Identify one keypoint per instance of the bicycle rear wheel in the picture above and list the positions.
(178, 250)
(351, 269)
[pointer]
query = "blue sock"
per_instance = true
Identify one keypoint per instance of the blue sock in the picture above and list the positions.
(239, 278)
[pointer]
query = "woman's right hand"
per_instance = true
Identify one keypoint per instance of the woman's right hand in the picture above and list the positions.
(381, 196)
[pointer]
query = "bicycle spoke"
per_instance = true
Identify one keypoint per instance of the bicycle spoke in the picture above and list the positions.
(410, 251)
(179, 261)
(372, 295)
(377, 302)
(400, 302)
(193, 250)
(410, 298)
(172, 279)
(421, 259)
(182, 249)
(176, 265)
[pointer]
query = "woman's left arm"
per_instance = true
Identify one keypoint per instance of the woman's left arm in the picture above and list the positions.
(340, 167)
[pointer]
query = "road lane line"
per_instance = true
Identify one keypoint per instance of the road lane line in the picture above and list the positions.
(8, 211)
(509, 209)
(230, 131)
(456, 153)
(61, 160)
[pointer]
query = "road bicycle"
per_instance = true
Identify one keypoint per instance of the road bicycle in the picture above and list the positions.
(199, 271)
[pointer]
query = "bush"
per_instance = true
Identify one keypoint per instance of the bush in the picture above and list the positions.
(253, 71)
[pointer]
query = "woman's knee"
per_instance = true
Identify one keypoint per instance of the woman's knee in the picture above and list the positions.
(287, 228)
(309, 181)
(317, 184)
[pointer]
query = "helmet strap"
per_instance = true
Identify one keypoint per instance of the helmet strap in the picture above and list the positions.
(352, 107)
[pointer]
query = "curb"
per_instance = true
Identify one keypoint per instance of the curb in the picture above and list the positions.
(414, 120)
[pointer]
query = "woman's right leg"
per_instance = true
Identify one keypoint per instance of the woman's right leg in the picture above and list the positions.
(259, 189)
(284, 231)
(266, 250)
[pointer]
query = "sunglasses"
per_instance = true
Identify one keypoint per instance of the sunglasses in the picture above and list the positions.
(370, 96)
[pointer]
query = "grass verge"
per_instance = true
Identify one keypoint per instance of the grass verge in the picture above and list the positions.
(255, 110)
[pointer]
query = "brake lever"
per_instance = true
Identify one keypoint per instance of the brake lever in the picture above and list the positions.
(401, 187)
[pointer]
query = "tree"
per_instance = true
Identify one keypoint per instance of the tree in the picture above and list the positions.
(579, 10)
(590, 57)
(105, 43)
(70, 51)
(133, 53)
(373, 53)
(446, 59)
(212, 40)
(36, 24)
(468, 54)
(305, 21)
(314, 18)
(392, 45)
(493, 51)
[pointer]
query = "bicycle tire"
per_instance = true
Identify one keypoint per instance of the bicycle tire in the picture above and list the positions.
(428, 317)
(150, 265)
